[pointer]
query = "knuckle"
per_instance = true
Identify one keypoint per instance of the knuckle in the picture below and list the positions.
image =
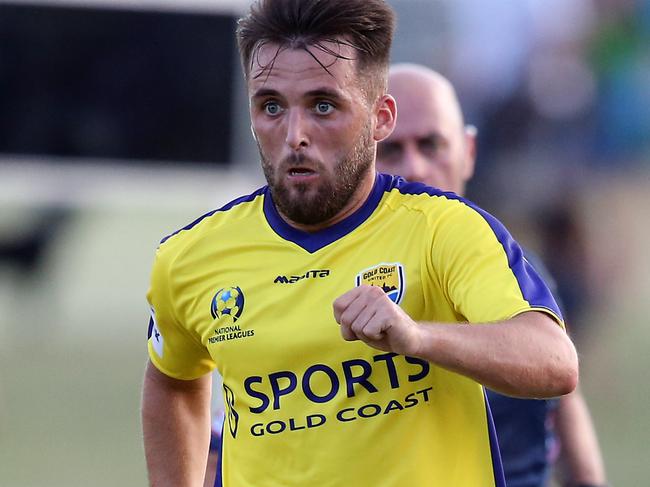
(346, 318)
(358, 327)
(376, 291)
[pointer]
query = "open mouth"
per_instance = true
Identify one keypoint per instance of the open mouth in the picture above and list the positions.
(301, 171)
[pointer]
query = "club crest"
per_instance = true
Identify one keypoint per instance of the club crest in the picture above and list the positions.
(389, 277)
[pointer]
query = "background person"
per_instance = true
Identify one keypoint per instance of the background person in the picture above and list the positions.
(431, 144)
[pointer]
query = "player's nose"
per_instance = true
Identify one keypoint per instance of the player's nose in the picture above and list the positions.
(297, 130)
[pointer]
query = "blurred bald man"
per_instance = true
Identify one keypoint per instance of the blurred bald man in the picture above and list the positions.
(431, 144)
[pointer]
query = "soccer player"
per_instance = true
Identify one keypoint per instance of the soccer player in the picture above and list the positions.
(431, 144)
(353, 316)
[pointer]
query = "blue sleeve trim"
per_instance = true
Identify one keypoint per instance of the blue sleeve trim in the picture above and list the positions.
(537, 263)
(533, 288)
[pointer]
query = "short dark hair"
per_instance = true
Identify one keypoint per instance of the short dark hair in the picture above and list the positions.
(365, 25)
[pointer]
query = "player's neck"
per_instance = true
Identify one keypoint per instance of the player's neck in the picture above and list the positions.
(356, 201)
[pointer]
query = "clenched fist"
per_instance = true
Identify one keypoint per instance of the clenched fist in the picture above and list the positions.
(366, 313)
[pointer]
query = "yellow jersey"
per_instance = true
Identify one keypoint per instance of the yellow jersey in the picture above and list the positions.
(241, 290)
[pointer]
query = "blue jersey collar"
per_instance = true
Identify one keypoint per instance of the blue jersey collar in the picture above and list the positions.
(312, 242)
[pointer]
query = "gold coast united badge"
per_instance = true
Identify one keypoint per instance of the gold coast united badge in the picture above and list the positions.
(389, 277)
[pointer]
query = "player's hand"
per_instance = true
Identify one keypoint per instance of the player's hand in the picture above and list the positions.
(366, 313)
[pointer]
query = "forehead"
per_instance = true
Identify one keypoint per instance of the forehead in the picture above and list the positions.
(422, 111)
(276, 66)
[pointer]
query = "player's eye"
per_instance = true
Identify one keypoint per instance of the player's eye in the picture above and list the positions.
(324, 108)
(272, 108)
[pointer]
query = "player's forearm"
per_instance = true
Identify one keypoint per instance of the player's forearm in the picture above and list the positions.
(527, 356)
(580, 456)
(176, 427)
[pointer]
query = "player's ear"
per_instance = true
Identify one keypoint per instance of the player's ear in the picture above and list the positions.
(385, 117)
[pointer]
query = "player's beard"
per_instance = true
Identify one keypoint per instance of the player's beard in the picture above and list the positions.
(300, 203)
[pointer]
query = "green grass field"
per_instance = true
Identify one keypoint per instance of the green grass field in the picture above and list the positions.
(70, 416)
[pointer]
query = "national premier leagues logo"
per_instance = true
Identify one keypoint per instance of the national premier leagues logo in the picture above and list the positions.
(389, 277)
(228, 301)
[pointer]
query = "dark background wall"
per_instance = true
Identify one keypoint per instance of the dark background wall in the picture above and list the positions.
(118, 84)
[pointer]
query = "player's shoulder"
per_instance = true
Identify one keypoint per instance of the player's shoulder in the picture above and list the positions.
(423, 198)
(238, 209)
(446, 213)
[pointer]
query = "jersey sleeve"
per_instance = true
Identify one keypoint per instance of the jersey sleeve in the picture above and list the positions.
(483, 270)
(173, 348)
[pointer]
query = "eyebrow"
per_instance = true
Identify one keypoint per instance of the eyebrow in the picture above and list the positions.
(263, 92)
(317, 93)
(427, 136)
(324, 93)
(431, 135)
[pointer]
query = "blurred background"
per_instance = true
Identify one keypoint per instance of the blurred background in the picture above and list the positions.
(123, 120)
